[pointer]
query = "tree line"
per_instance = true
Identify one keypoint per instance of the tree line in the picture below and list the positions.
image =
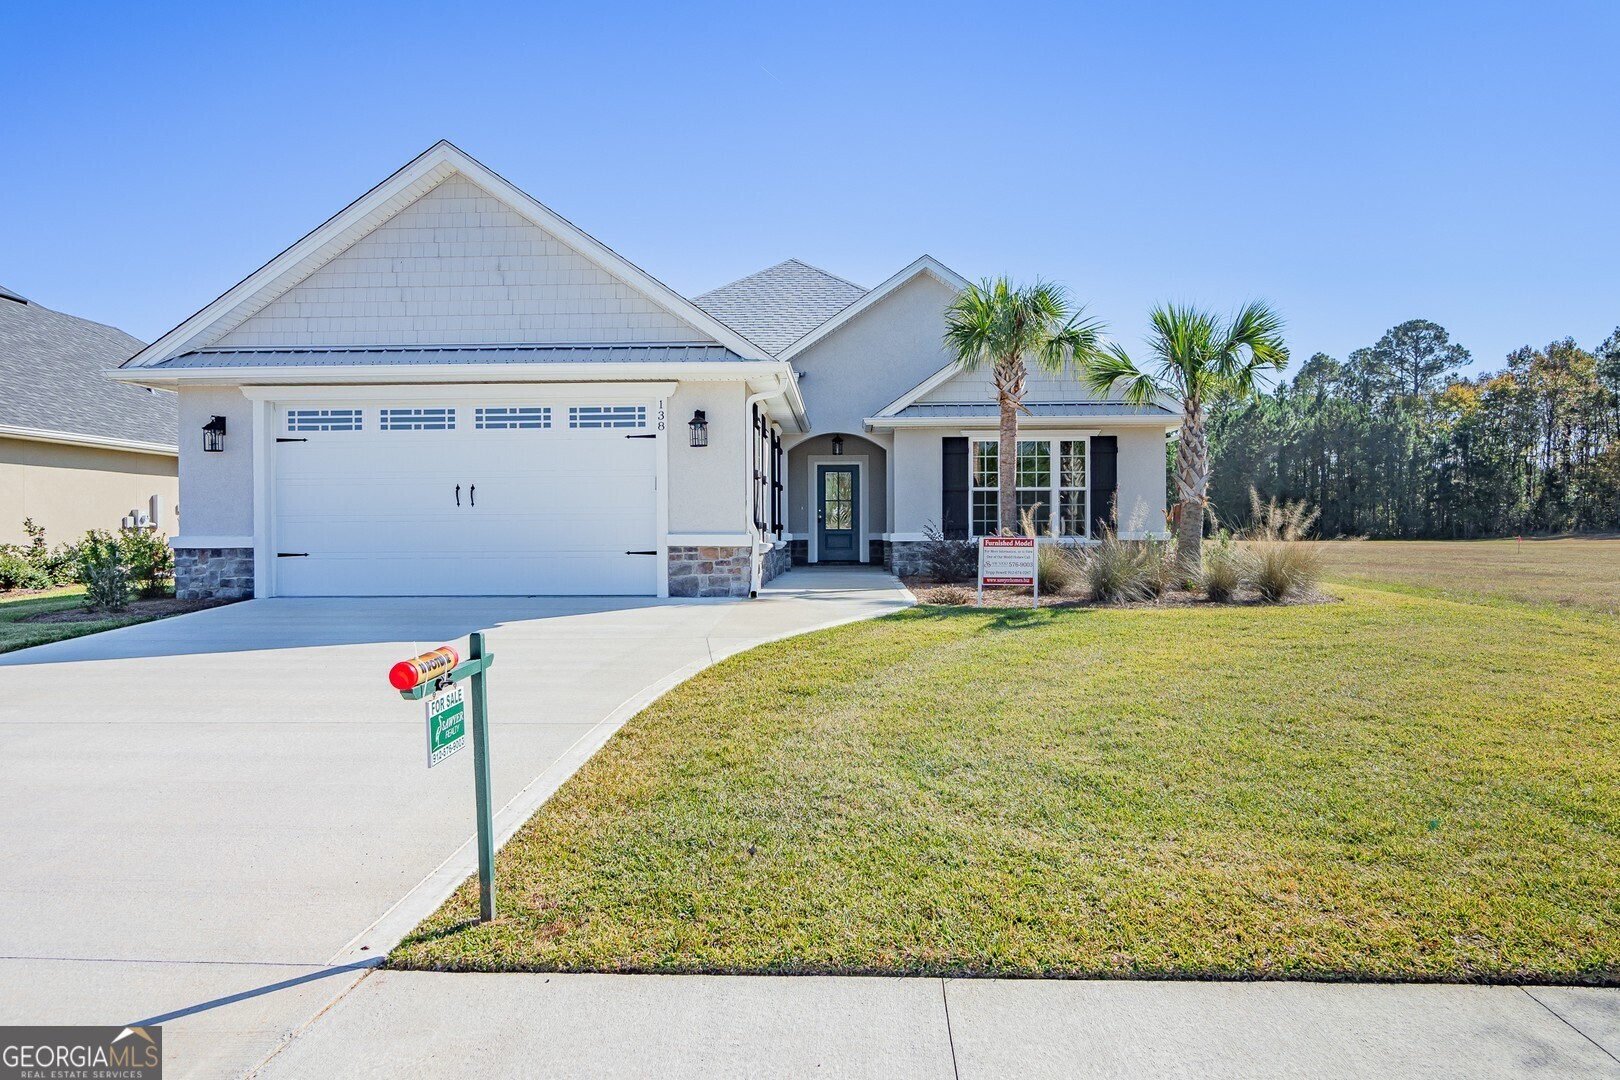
(1393, 442)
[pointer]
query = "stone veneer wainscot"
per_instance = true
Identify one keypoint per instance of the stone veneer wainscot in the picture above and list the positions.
(710, 571)
(213, 573)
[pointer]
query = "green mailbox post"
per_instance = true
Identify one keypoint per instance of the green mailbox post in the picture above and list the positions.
(437, 677)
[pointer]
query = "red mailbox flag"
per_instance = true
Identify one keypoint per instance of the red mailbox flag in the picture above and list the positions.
(408, 674)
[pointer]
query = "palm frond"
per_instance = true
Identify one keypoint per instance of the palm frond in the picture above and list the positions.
(1112, 370)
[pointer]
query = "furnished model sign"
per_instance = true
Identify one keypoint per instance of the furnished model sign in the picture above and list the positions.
(1008, 561)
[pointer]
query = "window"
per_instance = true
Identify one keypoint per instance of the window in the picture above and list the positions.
(511, 417)
(607, 416)
(1050, 475)
(431, 419)
(323, 419)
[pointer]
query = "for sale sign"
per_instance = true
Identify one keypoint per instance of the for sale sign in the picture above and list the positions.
(446, 723)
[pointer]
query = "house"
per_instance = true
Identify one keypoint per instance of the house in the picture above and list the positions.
(77, 451)
(449, 389)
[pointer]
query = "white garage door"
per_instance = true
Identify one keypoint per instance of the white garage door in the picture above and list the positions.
(465, 498)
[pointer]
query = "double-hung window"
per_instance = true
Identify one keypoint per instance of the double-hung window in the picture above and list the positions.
(1050, 475)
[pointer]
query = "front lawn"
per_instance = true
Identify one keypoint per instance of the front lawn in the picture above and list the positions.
(1570, 572)
(1395, 786)
(15, 633)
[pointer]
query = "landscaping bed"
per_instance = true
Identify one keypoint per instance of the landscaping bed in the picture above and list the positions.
(936, 594)
(1389, 787)
(40, 616)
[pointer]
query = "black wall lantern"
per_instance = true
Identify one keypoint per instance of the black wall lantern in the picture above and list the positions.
(838, 445)
(700, 428)
(214, 435)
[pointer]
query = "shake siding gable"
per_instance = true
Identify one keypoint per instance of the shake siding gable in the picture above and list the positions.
(459, 266)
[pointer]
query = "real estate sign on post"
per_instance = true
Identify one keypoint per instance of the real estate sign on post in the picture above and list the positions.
(446, 723)
(1009, 561)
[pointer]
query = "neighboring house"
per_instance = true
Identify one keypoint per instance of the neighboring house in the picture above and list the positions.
(449, 389)
(77, 451)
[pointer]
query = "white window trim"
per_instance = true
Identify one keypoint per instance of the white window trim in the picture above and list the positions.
(859, 461)
(1054, 489)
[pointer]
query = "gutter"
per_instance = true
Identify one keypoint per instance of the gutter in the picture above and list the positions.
(99, 442)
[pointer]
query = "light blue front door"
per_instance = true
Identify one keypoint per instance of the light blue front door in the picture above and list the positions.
(838, 526)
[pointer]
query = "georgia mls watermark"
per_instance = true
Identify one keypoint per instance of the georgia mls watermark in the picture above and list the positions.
(81, 1053)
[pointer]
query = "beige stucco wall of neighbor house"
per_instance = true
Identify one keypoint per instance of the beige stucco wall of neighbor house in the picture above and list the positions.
(216, 490)
(70, 489)
(1141, 482)
(874, 475)
(708, 489)
(876, 357)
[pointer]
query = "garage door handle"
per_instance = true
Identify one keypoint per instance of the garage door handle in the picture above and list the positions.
(641, 553)
(472, 495)
(458, 494)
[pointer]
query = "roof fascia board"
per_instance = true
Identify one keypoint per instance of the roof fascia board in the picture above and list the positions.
(938, 378)
(927, 264)
(373, 374)
(445, 157)
(99, 442)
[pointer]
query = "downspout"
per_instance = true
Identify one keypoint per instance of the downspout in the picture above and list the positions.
(755, 566)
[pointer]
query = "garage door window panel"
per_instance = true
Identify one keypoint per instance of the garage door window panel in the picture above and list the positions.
(607, 416)
(427, 419)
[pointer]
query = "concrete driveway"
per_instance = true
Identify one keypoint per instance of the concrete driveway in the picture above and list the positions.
(217, 820)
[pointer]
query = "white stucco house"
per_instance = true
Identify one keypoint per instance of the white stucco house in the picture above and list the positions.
(449, 389)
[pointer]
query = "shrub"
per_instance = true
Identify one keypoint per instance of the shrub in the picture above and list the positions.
(1278, 521)
(57, 564)
(16, 572)
(948, 560)
(1115, 570)
(103, 572)
(150, 561)
(1225, 566)
(949, 595)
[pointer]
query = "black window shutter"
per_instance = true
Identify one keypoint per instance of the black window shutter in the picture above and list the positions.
(953, 496)
(1104, 482)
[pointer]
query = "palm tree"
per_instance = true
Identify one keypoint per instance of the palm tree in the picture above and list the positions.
(1004, 326)
(1198, 356)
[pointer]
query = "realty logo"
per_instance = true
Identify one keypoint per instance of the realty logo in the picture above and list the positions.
(81, 1053)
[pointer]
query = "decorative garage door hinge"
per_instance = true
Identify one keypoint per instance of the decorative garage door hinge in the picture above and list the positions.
(641, 436)
(641, 553)
(281, 439)
(292, 554)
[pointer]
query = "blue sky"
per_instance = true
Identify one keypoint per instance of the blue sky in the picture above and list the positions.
(1356, 164)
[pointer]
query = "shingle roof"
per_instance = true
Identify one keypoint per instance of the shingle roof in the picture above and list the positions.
(338, 356)
(51, 368)
(780, 304)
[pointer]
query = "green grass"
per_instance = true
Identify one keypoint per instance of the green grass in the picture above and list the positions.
(20, 635)
(1391, 787)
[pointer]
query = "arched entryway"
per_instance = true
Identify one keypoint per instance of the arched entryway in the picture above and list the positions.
(838, 499)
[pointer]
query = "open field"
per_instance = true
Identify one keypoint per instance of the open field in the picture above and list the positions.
(1391, 787)
(1574, 573)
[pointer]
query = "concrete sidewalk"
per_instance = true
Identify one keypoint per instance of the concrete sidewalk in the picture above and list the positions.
(210, 820)
(624, 1026)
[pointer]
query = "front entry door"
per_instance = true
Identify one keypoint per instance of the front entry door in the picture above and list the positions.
(838, 513)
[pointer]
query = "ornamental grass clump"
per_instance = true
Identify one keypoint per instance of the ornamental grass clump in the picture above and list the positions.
(1225, 565)
(1282, 563)
(1116, 570)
